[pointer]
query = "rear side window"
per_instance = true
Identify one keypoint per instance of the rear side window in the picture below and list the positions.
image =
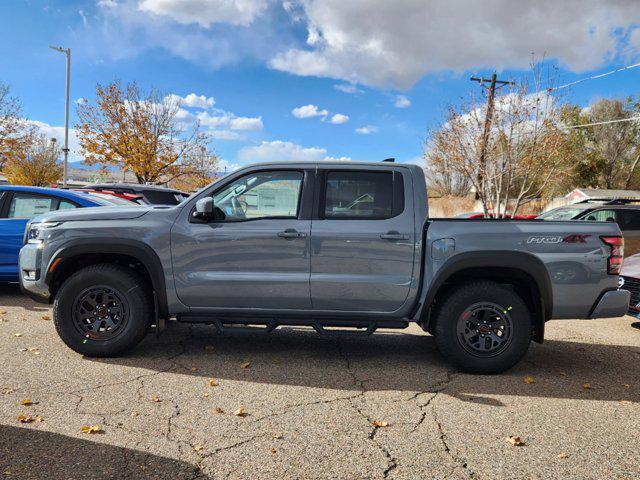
(363, 195)
(64, 205)
(28, 206)
(628, 219)
(601, 216)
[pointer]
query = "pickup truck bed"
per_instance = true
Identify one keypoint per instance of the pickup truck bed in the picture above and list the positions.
(329, 244)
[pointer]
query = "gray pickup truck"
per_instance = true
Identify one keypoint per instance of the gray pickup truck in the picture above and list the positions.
(337, 246)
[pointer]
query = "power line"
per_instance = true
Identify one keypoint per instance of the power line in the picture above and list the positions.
(603, 123)
(600, 75)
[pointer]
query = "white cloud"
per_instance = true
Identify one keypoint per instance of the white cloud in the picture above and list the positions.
(278, 150)
(225, 135)
(347, 88)
(106, 3)
(308, 111)
(85, 22)
(224, 166)
(339, 119)
(193, 101)
(206, 12)
(396, 43)
(282, 151)
(367, 130)
(402, 102)
(246, 123)
(57, 132)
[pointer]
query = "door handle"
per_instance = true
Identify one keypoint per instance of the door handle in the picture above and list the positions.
(291, 233)
(394, 236)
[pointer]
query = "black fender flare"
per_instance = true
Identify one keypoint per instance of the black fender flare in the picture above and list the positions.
(516, 260)
(132, 248)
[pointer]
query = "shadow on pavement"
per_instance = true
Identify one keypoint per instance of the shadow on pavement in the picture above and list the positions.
(387, 361)
(33, 454)
(11, 296)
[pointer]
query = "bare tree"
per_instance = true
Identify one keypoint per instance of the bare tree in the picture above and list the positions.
(521, 152)
(15, 131)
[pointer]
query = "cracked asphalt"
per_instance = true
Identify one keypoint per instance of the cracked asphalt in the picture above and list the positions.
(384, 406)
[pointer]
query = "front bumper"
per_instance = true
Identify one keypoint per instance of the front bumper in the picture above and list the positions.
(611, 304)
(30, 259)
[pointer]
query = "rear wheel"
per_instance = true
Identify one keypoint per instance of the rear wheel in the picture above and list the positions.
(483, 327)
(102, 310)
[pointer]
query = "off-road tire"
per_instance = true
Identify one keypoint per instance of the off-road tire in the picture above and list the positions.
(133, 291)
(451, 342)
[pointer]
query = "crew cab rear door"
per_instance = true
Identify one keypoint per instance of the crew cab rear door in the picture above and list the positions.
(362, 240)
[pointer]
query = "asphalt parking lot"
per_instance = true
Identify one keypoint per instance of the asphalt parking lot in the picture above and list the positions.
(292, 404)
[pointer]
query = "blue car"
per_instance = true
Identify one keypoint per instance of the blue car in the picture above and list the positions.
(20, 204)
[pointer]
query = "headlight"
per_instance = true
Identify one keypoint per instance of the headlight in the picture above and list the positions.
(35, 231)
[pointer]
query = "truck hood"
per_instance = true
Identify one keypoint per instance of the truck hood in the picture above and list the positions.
(93, 213)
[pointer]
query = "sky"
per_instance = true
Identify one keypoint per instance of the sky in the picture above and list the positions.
(277, 80)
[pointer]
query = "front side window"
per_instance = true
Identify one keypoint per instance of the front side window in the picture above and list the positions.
(24, 205)
(64, 205)
(363, 195)
(274, 194)
(628, 219)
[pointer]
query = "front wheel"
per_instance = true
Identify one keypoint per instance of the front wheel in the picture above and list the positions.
(102, 310)
(483, 327)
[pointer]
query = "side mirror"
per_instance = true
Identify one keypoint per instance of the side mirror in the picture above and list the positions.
(204, 208)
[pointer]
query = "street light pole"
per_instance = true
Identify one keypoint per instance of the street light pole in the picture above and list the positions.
(65, 150)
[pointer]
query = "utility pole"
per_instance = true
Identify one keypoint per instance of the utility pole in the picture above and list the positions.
(489, 116)
(65, 150)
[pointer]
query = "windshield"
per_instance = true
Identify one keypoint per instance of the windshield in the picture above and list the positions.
(563, 213)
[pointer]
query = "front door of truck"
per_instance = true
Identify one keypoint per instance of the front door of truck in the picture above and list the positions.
(255, 254)
(363, 241)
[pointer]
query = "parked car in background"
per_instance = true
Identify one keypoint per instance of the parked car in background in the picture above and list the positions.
(626, 213)
(19, 204)
(630, 280)
(147, 194)
(476, 215)
(125, 197)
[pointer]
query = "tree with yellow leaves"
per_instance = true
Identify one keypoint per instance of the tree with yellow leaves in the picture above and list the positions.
(138, 132)
(38, 165)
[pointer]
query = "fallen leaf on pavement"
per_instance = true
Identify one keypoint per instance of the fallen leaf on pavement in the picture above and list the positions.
(515, 441)
(46, 317)
(208, 347)
(626, 402)
(39, 418)
(245, 364)
(198, 447)
(26, 419)
(529, 380)
(241, 412)
(194, 369)
(206, 394)
(2, 312)
(562, 374)
(213, 382)
(219, 410)
(7, 390)
(92, 429)
(134, 414)
(156, 399)
(626, 385)
(587, 386)
(17, 334)
(563, 455)
(273, 451)
(278, 436)
(379, 423)
(27, 402)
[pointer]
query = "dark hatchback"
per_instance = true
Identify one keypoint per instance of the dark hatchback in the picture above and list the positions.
(626, 213)
(147, 194)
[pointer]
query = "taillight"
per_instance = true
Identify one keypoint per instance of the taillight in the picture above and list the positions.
(614, 262)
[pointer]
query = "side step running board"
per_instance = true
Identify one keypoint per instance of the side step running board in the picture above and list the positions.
(326, 327)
